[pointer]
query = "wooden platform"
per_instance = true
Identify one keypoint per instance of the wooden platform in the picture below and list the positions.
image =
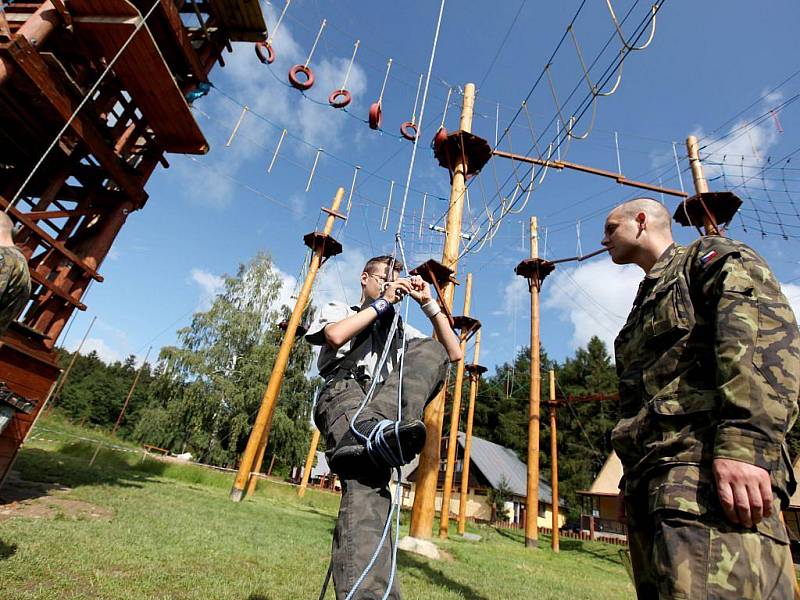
(106, 25)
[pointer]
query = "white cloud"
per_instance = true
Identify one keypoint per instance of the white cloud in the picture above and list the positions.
(105, 352)
(287, 291)
(210, 286)
(594, 298)
(792, 293)
(744, 150)
(339, 279)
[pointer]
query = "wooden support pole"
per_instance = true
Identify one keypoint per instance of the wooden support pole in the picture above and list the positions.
(563, 164)
(532, 499)
(253, 455)
(312, 453)
(474, 378)
(63, 380)
(700, 182)
(554, 459)
(423, 510)
(124, 405)
(452, 442)
(130, 393)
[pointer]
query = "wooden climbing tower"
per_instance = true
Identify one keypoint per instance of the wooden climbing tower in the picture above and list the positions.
(52, 54)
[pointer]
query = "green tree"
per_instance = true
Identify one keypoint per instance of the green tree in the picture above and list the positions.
(210, 386)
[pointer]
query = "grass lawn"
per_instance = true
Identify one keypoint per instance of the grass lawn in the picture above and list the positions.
(124, 529)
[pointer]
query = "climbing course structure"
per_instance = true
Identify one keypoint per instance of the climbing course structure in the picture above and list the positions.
(93, 94)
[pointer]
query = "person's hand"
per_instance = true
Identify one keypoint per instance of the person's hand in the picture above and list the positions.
(620, 508)
(420, 290)
(745, 492)
(395, 291)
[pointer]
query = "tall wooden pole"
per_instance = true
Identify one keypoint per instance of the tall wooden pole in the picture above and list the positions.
(474, 378)
(124, 405)
(452, 444)
(312, 452)
(423, 510)
(63, 380)
(554, 458)
(130, 392)
(532, 500)
(700, 181)
(257, 443)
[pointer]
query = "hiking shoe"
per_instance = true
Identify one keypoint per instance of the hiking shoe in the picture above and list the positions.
(385, 446)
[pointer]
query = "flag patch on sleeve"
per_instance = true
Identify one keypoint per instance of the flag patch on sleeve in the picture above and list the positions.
(708, 257)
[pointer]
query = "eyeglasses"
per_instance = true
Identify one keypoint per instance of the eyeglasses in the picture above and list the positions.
(381, 280)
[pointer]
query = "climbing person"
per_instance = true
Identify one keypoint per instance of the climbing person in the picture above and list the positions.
(363, 446)
(708, 364)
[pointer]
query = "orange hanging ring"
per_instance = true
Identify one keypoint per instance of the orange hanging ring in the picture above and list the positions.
(375, 116)
(409, 131)
(295, 80)
(439, 138)
(339, 98)
(270, 56)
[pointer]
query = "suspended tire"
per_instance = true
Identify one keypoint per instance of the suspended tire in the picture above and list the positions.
(409, 131)
(269, 57)
(439, 138)
(375, 116)
(339, 98)
(295, 80)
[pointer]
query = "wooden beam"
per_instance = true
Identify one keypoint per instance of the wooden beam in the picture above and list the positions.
(185, 44)
(563, 164)
(41, 280)
(28, 60)
(37, 215)
(50, 240)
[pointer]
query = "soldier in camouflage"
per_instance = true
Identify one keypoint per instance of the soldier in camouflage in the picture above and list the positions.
(351, 340)
(15, 279)
(708, 364)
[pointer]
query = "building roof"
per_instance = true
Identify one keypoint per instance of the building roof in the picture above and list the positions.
(496, 462)
(321, 468)
(607, 481)
(794, 501)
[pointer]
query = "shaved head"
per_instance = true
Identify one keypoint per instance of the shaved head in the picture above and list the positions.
(657, 215)
(6, 230)
(637, 231)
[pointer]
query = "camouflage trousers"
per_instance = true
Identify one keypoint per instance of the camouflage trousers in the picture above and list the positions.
(675, 554)
(366, 500)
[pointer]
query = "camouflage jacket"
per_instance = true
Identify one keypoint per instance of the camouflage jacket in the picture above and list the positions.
(708, 364)
(15, 285)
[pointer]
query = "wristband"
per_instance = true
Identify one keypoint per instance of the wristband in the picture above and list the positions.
(381, 306)
(431, 308)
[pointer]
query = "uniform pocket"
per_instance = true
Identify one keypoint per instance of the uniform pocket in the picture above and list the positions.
(666, 317)
(687, 402)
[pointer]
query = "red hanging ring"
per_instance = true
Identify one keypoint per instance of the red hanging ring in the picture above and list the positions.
(375, 116)
(269, 58)
(339, 98)
(295, 81)
(439, 138)
(405, 128)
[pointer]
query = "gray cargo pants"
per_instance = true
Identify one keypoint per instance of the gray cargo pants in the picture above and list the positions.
(366, 501)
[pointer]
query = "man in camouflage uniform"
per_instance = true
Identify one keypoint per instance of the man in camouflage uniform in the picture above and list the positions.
(708, 364)
(15, 290)
(351, 339)
(15, 279)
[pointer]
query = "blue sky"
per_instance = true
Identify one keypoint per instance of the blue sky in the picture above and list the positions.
(707, 62)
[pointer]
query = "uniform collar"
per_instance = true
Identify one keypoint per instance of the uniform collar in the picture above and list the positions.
(662, 262)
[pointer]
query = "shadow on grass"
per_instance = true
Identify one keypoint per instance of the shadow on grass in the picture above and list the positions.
(39, 472)
(611, 556)
(7, 550)
(437, 577)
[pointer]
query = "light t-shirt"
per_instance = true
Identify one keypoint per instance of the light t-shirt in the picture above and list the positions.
(368, 353)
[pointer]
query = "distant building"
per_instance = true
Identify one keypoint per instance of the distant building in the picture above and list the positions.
(599, 502)
(490, 464)
(320, 476)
